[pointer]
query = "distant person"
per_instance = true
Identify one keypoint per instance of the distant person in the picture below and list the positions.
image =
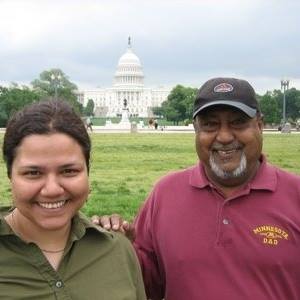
(228, 227)
(155, 124)
(89, 124)
(298, 125)
(151, 123)
(48, 250)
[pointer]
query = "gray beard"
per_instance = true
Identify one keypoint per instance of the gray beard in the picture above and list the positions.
(238, 172)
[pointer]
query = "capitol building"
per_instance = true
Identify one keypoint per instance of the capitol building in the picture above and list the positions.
(128, 84)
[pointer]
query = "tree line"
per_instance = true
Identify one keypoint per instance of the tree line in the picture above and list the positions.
(50, 84)
(179, 105)
(177, 108)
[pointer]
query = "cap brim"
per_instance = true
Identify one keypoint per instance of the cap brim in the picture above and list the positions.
(251, 112)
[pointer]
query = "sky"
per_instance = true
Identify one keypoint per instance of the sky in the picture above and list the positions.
(178, 42)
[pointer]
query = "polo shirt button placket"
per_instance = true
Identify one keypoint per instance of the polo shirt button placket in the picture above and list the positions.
(58, 284)
(225, 221)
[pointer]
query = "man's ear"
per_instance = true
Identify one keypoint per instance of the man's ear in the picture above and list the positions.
(260, 122)
(196, 123)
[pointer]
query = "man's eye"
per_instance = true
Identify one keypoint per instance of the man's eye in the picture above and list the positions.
(240, 122)
(209, 125)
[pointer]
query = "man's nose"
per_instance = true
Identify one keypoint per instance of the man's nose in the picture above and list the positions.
(225, 134)
(52, 187)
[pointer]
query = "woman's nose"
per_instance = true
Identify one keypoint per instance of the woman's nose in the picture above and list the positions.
(52, 187)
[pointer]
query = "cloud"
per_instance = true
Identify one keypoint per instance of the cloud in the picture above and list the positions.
(177, 41)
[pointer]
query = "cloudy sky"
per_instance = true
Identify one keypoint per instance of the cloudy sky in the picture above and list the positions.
(182, 42)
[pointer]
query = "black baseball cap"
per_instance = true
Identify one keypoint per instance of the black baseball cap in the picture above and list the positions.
(233, 92)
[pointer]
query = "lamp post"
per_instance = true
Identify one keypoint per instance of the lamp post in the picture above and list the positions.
(285, 86)
(55, 78)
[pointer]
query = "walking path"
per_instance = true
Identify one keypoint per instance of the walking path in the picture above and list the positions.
(167, 129)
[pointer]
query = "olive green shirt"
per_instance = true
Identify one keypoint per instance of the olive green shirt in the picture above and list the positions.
(96, 265)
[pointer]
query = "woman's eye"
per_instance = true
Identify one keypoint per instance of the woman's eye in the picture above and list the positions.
(70, 172)
(32, 173)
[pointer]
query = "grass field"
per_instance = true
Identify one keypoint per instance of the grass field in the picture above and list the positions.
(124, 167)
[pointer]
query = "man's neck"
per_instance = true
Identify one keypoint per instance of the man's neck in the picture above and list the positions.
(228, 187)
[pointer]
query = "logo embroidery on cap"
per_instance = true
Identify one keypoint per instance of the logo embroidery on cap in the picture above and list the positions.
(271, 235)
(223, 88)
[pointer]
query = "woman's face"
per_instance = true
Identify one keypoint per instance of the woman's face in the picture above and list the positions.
(49, 180)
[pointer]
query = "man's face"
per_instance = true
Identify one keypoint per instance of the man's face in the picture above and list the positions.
(229, 144)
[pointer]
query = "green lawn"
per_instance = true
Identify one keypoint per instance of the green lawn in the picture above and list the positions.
(124, 167)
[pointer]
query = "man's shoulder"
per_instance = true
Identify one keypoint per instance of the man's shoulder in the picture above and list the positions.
(178, 176)
(284, 175)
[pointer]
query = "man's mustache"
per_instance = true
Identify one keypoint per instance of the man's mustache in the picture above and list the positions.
(232, 146)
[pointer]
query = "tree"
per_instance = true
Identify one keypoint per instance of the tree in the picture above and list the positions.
(54, 83)
(158, 111)
(179, 105)
(13, 99)
(293, 104)
(272, 105)
(269, 105)
(89, 109)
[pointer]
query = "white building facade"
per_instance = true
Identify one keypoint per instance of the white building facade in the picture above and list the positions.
(128, 84)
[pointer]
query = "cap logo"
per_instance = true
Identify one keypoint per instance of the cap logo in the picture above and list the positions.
(223, 88)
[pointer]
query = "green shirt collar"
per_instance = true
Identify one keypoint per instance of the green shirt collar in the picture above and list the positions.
(80, 226)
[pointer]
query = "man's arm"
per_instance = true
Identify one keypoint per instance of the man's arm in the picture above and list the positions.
(146, 247)
(142, 236)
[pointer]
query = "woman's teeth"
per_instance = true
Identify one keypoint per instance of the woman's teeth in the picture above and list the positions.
(52, 205)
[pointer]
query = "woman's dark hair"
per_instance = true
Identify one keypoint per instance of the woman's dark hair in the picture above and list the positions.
(44, 117)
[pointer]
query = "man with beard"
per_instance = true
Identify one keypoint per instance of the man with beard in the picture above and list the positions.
(228, 227)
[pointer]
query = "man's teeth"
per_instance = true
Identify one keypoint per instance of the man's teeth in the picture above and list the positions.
(51, 205)
(224, 152)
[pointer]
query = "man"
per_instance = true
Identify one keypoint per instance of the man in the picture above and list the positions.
(229, 227)
(89, 124)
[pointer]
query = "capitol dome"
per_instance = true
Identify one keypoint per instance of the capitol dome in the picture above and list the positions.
(129, 58)
(128, 85)
(129, 70)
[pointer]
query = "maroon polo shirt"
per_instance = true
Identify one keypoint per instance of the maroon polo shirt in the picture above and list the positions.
(193, 244)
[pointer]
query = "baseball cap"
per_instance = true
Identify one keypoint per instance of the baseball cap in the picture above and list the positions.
(233, 92)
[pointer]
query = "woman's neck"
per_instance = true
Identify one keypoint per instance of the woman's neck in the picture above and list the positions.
(50, 241)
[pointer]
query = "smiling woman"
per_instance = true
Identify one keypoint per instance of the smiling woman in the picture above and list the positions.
(47, 248)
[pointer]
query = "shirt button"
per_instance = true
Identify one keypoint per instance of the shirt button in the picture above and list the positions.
(225, 221)
(58, 284)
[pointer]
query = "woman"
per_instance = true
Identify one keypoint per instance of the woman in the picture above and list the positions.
(48, 250)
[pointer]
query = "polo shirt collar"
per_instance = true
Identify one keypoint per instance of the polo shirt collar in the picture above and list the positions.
(198, 177)
(81, 225)
(5, 228)
(265, 178)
